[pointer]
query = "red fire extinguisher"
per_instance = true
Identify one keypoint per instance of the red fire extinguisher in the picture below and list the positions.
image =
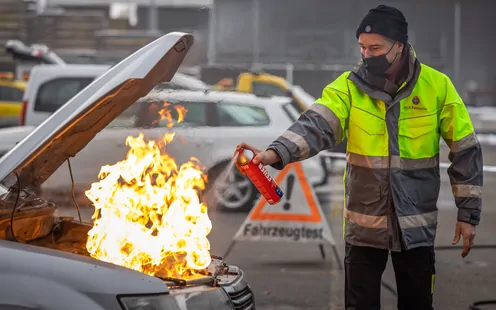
(258, 175)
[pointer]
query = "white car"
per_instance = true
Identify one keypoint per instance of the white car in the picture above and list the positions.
(214, 124)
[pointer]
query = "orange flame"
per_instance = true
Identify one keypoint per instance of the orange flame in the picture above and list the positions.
(148, 215)
(165, 113)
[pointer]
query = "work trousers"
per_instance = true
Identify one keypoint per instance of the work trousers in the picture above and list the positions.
(414, 272)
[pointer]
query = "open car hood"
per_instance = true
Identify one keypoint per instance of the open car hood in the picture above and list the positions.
(74, 125)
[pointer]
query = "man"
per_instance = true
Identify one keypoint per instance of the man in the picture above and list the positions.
(394, 110)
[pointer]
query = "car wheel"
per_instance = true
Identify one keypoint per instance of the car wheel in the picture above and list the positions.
(230, 191)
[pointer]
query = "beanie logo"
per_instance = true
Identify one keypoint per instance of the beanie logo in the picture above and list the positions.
(415, 100)
(368, 28)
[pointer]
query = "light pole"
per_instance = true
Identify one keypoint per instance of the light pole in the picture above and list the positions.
(212, 32)
(457, 43)
(152, 16)
(256, 31)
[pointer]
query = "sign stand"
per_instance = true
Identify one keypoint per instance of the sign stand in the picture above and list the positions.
(297, 218)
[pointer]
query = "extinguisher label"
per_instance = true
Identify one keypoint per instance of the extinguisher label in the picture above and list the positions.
(265, 172)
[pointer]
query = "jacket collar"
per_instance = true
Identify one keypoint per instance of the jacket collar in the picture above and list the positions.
(381, 88)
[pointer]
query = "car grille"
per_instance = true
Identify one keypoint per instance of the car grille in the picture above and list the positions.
(243, 300)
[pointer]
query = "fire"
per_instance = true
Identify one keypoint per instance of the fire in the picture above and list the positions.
(165, 113)
(148, 215)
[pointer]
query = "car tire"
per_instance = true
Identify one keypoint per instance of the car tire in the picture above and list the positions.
(221, 188)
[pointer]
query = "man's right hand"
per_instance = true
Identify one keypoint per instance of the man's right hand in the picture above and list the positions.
(268, 157)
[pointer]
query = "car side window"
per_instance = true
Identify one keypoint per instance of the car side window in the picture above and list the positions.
(195, 114)
(268, 89)
(11, 94)
(234, 114)
(55, 93)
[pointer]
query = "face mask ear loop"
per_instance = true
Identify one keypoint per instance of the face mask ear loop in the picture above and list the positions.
(396, 56)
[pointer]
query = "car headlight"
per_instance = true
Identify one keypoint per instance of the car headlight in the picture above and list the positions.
(150, 302)
(183, 299)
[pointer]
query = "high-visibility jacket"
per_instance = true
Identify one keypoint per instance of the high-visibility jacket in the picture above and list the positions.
(392, 177)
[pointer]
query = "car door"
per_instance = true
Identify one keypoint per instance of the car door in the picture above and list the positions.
(235, 122)
(190, 138)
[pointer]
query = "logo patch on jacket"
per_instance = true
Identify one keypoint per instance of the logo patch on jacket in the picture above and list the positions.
(415, 104)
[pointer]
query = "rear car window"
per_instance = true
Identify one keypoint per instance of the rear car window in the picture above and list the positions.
(55, 93)
(10, 94)
(233, 114)
(268, 89)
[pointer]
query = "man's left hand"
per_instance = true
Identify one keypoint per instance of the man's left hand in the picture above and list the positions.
(466, 230)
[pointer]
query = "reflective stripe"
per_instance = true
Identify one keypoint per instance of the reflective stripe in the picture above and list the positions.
(331, 119)
(412, 164)
(463, 143)
(369, 221)
(367, 161)
(418, 220)
(433, 282)
(378, 162)
(299, 141)
(466, 190)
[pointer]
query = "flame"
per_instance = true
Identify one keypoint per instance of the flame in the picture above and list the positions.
(148, 215)
(165, 113)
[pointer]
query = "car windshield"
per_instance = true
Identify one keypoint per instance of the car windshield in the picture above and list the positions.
(291, 111)
(184, 81)
(302, 95)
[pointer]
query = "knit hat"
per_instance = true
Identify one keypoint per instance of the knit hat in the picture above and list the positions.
(387, 21)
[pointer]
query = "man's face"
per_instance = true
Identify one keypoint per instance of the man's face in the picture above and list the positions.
(373, 44)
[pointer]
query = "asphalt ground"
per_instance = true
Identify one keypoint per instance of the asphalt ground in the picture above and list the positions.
(295, 276)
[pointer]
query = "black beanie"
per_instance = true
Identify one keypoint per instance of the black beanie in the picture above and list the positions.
(387, 21)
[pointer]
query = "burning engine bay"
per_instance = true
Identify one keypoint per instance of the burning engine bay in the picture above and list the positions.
(148, 217)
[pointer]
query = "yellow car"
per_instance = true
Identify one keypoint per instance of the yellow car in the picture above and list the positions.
(265, 84)
(11, 92)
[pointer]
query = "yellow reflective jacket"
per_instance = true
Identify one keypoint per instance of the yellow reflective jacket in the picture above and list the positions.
(392, 178)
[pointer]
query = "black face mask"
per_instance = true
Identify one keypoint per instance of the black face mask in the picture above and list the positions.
(378, 65)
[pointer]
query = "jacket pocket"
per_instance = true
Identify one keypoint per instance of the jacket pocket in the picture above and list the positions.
(367, 133)
(363, 197)
(421, 188)
(419, 137)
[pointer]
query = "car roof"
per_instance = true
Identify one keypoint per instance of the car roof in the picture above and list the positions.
(98, 69)
(14, 83)
(83, 67)
(218, 96)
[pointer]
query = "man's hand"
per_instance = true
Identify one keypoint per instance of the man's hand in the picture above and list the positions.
(268, 157)
(466, 230)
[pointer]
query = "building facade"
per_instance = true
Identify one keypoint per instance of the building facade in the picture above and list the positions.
(318, 34)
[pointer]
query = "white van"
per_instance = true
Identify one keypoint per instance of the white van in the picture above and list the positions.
(51, 86)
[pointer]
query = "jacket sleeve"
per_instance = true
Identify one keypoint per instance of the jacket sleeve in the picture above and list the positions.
(465, 172)
(320, 127)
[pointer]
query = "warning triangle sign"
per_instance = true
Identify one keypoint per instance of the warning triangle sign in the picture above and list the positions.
(298, 203)
(297, 217)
